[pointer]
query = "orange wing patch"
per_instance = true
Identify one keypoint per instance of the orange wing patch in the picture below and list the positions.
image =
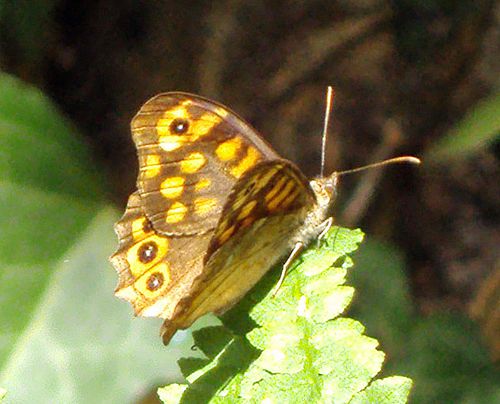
(140, 259)
(246, 210)
(228, 150)
(203, 205)
(172, 187)
(154, 282)
(193, 163)
(144, 255)
(292, 196)
(172, 127)
(141, 228)
(224, 236)
(202, 184)
(152, 166)
(177, 127)
(275, 189)
(176, 212)
(284, 191)
(249, 161)
(202, 126)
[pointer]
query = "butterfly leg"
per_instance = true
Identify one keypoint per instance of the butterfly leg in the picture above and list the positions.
(296, 250)
(327, 225)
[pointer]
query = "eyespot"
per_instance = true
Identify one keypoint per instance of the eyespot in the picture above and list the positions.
(179, 126)
(147, 252)
(155, 281)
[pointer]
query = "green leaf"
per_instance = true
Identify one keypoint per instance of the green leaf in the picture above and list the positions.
(82, 344)
(39, 149)
(3, 392)
(476, 131)
(391, 390)
(211, 340)
(293, 347)
(49, 193)
(172, 394)
(64, 337)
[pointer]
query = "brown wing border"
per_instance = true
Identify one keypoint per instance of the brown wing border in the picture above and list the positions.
(231, 117)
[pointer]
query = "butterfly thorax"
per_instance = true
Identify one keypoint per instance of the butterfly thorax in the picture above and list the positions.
(324, 191)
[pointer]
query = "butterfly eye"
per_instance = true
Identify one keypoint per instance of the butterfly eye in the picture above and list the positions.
(147, 252)
(316, 186)
(179, 126)
(155, 281)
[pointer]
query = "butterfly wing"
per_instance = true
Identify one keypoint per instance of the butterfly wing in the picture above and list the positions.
(271, 188)
(155, 271)
(191, 153)
(214, 209)
(264, 211)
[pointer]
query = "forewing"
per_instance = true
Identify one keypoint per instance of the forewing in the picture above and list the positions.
(270, 188)
(191, 153)
(155, 271)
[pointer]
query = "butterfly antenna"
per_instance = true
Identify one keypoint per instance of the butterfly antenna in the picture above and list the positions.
(329, 101)
(395, 160)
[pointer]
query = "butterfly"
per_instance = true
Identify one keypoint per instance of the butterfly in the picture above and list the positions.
(215, 208)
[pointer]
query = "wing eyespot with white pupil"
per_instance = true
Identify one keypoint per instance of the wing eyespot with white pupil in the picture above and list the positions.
(179, 126)
(155, 281)
(147, 252)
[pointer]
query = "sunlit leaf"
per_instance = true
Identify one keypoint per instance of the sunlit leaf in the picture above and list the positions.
(299, 348)
(391, 390)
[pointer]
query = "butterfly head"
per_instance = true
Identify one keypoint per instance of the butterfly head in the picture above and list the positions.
(325, 190)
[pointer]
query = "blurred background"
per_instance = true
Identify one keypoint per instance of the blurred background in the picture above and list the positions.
(411, 77)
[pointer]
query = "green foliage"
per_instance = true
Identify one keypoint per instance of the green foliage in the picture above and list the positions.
(48, 195)
(442, 353)
(64, 337)
(3, 392)
(293, 347)
(390, 390)
(477, 130)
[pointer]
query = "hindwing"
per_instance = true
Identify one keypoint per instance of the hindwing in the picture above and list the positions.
(234, 263)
